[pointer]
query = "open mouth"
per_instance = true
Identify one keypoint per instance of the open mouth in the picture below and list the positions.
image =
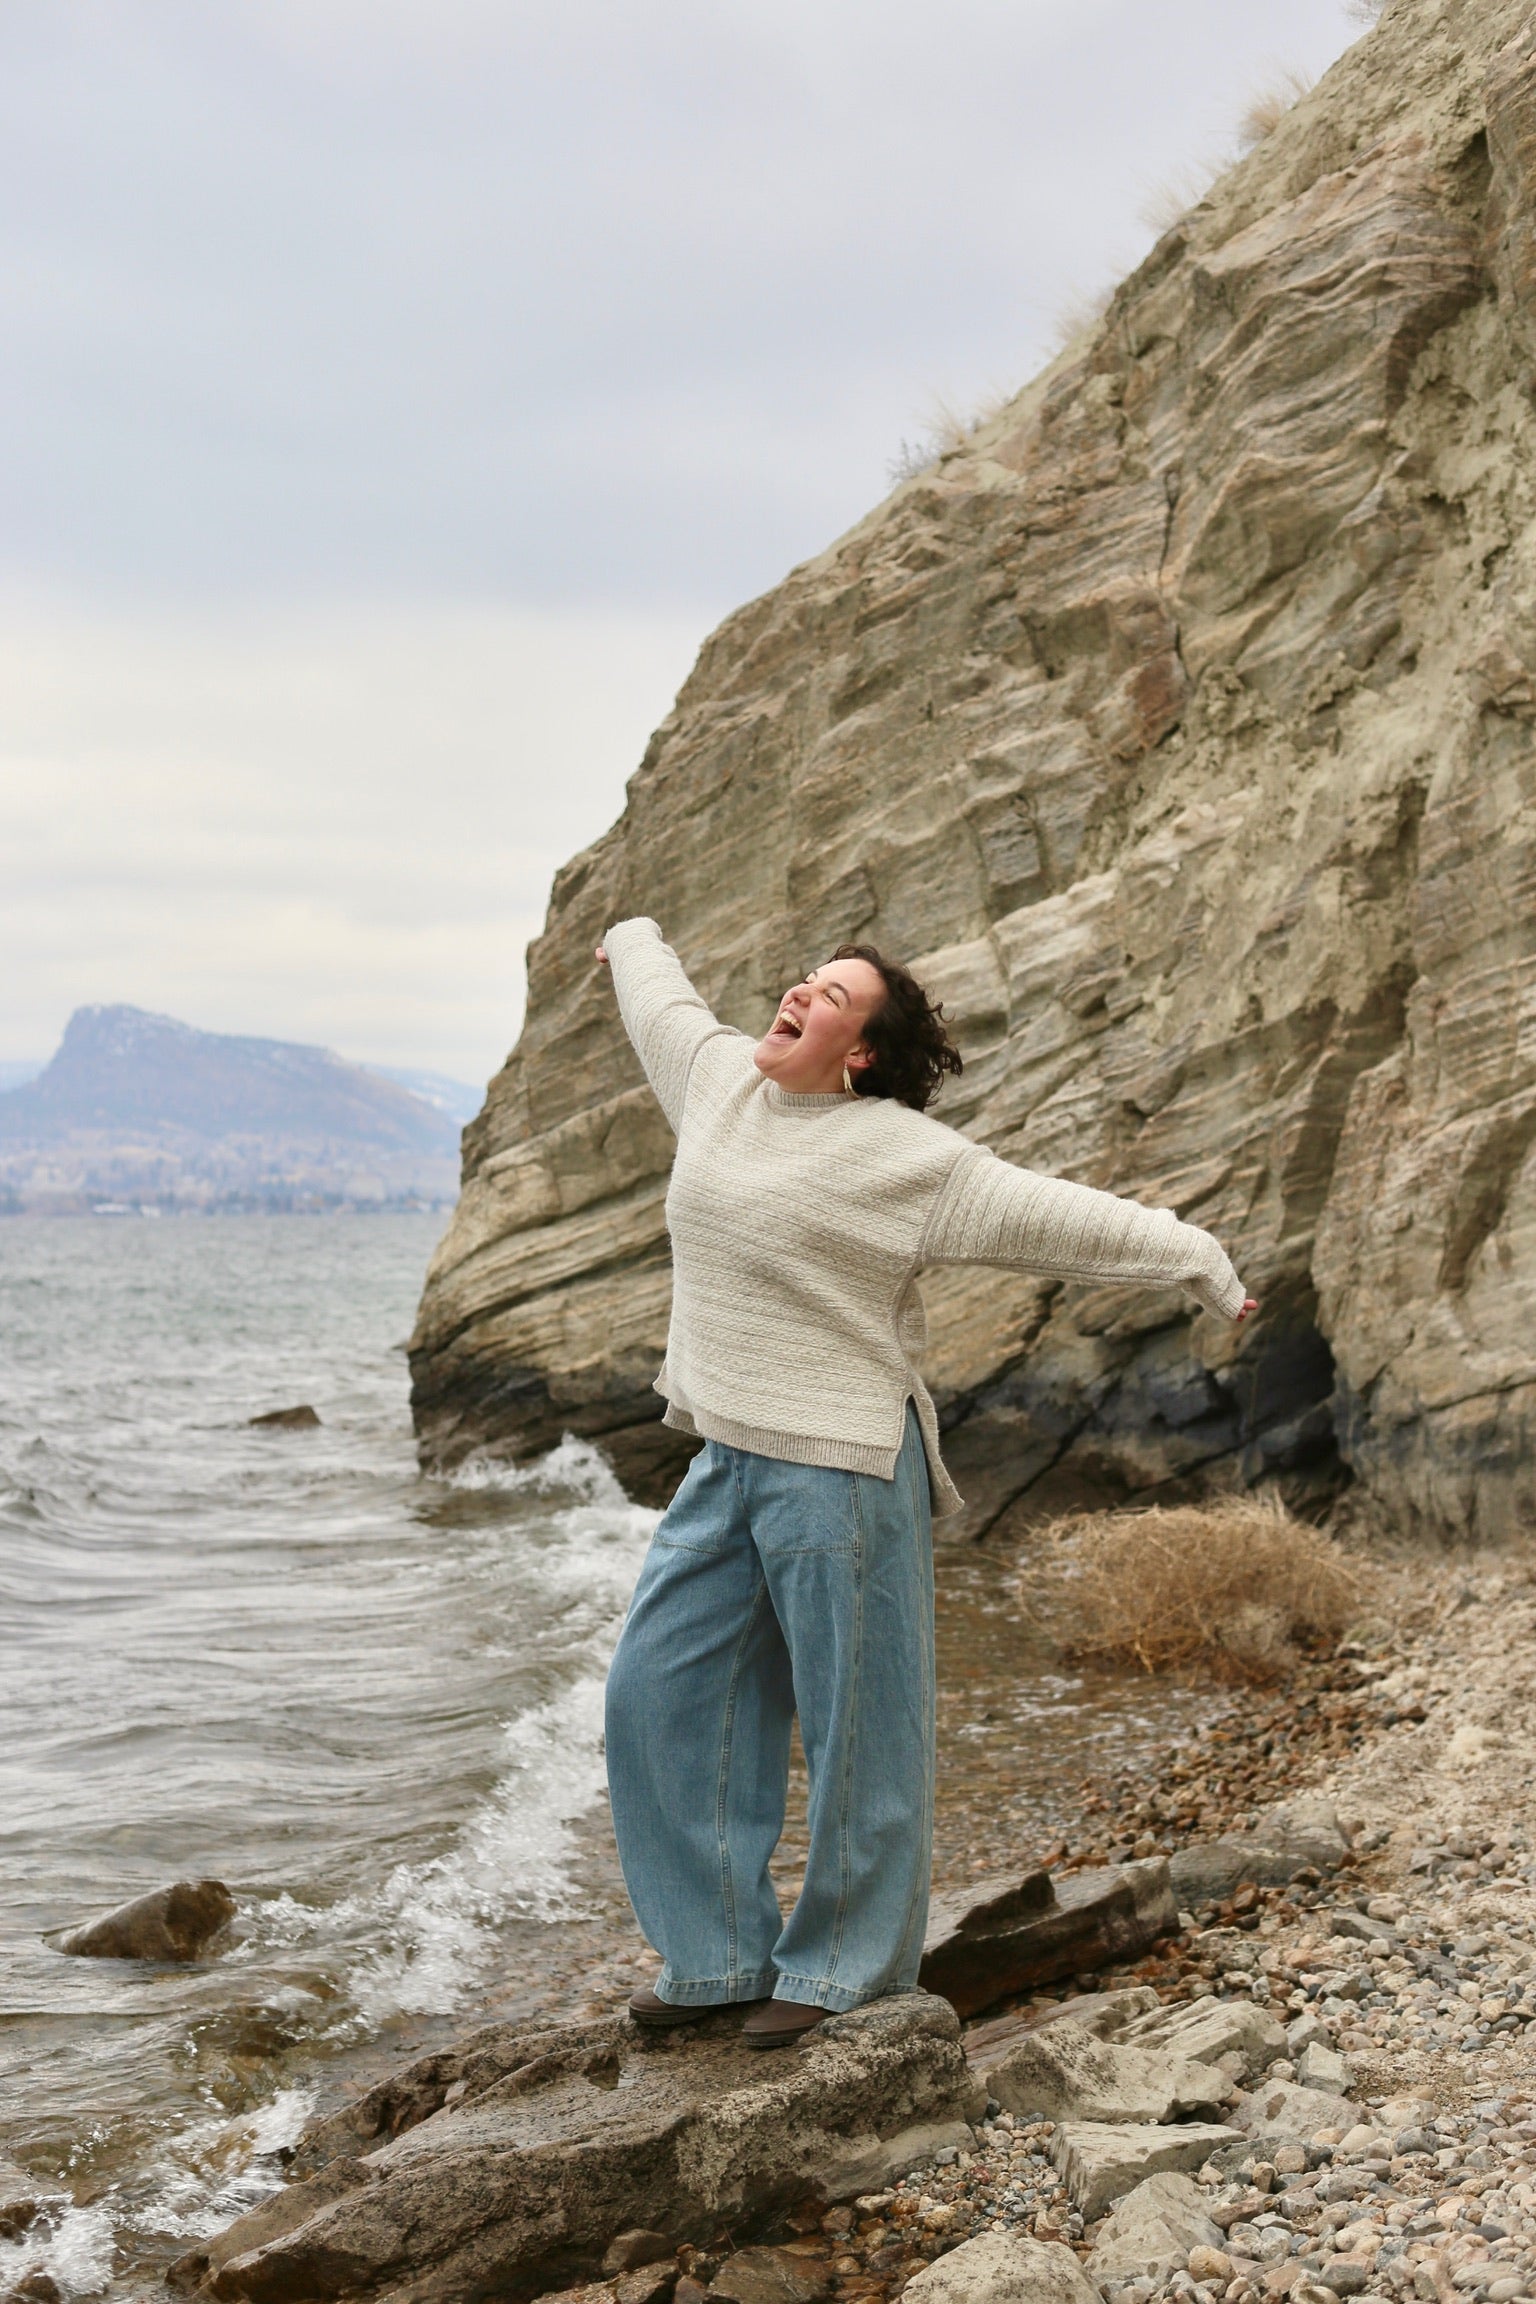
(784, 1027)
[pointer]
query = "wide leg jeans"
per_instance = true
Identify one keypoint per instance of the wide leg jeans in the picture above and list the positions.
(772, 1589)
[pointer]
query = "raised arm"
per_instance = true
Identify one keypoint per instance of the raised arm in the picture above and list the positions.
(666, 1020)
(994, 1213)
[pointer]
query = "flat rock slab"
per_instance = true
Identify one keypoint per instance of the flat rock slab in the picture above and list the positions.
(1001, 2268)
(1064, 2072)
(1152, 2229)
(1104, 2014)
(1100, 2164)
(1208, 2030)
(1012, 1934)
(509, 2166)
(168, 1924)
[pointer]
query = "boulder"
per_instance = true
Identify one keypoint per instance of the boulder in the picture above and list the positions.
(771, 2276)
(1013, 1934)
(1062, 2072)
(172, 1923)
(1099, 2164)
(1282, 2113)
(1209, 1871)
(1001, 2268)
(1207, 2031)
(1308, 1828)
(628, 2250)
(1152, 2229)
(1300, 1835)
(561, 2137)
(300, 1419)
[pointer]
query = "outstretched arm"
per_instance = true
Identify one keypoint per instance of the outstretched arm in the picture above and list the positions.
(994, 1213)
(665, 1018)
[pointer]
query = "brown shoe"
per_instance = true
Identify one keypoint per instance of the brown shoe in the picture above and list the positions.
(780, 2023)
(660, 2015)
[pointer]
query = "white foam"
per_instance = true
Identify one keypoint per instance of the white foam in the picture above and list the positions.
(575, 1467)
(515, 1856)
(432, 1927)
(75, 2245)
(223, 2169)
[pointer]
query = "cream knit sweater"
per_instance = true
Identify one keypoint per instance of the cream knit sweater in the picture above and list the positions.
(799, 1225)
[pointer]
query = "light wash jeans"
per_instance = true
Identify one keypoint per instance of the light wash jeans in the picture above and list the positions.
(772, 1588)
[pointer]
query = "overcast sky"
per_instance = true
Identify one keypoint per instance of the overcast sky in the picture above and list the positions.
(395, 391)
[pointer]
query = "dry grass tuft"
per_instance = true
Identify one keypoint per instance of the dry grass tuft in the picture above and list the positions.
(944, 431)
(1267, 107)
(1168, 202)
(1079, 317)
(1236, 1587)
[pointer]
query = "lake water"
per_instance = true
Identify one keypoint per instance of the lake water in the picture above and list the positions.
(368, 1700)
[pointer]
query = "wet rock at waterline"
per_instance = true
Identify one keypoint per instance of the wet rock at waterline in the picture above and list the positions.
(516, 2159)
(21, 2197)
(174, 1923)
(300, 1419)
(770, 2276)
(1179, 726)
(1011, 1935)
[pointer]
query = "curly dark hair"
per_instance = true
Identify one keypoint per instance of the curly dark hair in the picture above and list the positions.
(912, 1049)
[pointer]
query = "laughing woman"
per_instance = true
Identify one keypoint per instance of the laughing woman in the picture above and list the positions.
(793, 1571)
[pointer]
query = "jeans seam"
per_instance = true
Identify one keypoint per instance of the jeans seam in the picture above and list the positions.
(727, 1876)
(929, 1702)
(844, 1856)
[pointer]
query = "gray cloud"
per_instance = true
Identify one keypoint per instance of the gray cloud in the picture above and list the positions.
(394, 391)
(601, 301)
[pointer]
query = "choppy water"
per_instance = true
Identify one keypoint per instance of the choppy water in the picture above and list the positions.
(368, 1700)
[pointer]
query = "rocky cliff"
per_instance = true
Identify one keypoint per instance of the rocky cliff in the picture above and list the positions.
(1178, 729)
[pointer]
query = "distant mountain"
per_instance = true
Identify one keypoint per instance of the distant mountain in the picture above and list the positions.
(143, 1108)
(13, 1074)
(458, 1098)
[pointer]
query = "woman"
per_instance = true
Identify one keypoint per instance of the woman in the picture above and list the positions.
(793, 1571)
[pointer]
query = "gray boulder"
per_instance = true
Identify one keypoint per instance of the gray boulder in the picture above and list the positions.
(1285, 1840)
(1307, 1827)
(1001, 2268)
(172, 1923)
(1282, 2113)
(1152, 2229)
(512, 2162)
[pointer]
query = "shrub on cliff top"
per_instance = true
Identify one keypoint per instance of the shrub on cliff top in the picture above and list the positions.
(1236, 1587)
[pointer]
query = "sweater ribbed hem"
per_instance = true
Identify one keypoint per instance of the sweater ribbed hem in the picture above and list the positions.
(788, 1447)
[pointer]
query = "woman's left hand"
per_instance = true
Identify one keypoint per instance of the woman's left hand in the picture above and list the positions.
(1250, 1304)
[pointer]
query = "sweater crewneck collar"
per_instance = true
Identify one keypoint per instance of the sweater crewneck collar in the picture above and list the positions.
(781, 1100)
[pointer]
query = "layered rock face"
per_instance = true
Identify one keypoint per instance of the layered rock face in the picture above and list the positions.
(1178, 730)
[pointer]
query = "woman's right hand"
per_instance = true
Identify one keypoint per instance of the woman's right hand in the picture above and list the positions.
(602, 957)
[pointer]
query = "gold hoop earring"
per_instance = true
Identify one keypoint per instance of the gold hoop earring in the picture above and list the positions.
(848, 1086)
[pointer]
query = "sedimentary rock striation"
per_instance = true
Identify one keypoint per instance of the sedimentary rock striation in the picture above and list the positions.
(1178, 728)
